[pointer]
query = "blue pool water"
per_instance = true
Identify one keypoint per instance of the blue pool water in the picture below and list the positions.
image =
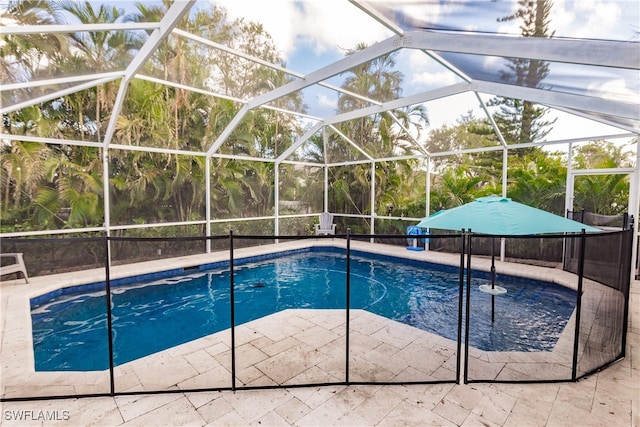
(69, 329)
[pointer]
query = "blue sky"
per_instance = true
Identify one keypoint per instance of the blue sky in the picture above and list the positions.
(316, 33)
(311, 34)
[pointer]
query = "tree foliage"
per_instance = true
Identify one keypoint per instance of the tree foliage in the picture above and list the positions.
(522, 121)
(50, 186)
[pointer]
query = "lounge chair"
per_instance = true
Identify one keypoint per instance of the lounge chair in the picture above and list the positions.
(326, 225)
(17, 267)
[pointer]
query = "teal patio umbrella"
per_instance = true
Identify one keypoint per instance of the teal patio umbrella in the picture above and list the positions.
(501, 216)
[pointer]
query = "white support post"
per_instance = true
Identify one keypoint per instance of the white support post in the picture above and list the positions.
(207, 200)
(427, 207)
(106, 196)
(372, 200)
(325, 202)
(568, 193)
(427, 189)
(634, 209)
(276, 198)
(505, 171)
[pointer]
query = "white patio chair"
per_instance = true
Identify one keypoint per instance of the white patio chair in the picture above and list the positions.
(17, 267)
(326, 225)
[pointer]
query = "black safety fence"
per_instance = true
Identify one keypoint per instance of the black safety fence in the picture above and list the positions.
(621, 221)
(607, 258)
(561, 327)
(532, 250)
(520, 327)
(46, 255)
(233, 312)
(607, 261)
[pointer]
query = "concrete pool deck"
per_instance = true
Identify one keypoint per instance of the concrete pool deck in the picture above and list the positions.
(297, 346)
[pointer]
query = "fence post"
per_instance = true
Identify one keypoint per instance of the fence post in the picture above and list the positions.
(233, 312)
(460, 306)
(576, 338)
(348, 299)
(107, 281)
(628, 276)
(467, 311)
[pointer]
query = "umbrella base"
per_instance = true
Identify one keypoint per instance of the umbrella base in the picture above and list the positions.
(497, 290)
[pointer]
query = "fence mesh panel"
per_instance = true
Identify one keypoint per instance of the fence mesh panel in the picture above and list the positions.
(410, 310)
(520, 328)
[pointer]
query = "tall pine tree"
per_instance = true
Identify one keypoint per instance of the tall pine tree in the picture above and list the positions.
(521, 121)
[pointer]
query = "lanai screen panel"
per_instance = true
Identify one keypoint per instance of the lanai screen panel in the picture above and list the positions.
(346, 195)
(301, 190)
(262, 133)
(51, 187)
(579, 79)
(81, 117)
(34, 65)
(343, 143)
(241, 188)
(152, 188)
(219, 80)
(613, 20)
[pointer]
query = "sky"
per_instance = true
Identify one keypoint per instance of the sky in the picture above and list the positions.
(316, 33)
(311, 34)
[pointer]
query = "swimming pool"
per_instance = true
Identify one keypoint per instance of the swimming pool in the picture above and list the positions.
(69, 329)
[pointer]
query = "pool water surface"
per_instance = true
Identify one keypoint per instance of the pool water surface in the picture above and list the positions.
(69, 330)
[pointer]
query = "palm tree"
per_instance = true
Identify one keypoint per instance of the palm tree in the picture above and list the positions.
(602, 194)
(73, 183)
(187, 193)
(538, 181)
(98, 51)
(22, 171)
(522, 121)
(378, 135)
(454, 187)
(226, 190)
(28, 57)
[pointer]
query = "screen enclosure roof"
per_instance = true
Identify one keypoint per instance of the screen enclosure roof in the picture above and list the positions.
(452, 58)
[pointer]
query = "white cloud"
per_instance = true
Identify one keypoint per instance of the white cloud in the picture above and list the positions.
(419, 59)
(335, 25)
(568, 126)
(591, 19)
(325, 102)
(328, 25)
(277, 17)
(615, 90)
(446, 111)
(439, 79)
(426, 72)
(492, 62)
(512, 26)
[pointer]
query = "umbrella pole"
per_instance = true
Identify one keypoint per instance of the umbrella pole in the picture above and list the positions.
(493, 278)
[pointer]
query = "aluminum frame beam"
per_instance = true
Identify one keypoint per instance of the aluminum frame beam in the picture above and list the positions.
(401, 102)
(59, 80)
(58, 94)
(585, 103)
(169, 21)
(76, 28)
(340, 66)
(372, 52)
(599, 53)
